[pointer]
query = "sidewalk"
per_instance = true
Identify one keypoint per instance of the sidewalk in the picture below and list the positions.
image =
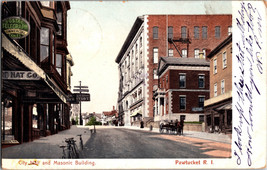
(47, 147)
(217, 137)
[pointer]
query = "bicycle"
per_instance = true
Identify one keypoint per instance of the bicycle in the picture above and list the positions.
(72, 148)
(63, 151)
(81, 141)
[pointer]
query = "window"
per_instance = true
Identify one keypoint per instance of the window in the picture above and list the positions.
(47, 3)
(201, 118)
(201, 81)
(182, 102)
(196, 32)
(182, 81)
(155, 74)
(53, 49)
(204, 53)
(170, 51)
(217, 32)
(141, 42)
(155, 32)
(229, 30)
(155, 55)
(170, 32)
(184, 53)
(196, 53)
(59, 63)
(224, 59)
(222, 87)
(201, 101)
(215, 89)
(215, 66)
(204, 32)
(183, 32)
(45, 40)
(59, 18)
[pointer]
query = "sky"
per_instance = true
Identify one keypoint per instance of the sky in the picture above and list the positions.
(96, 31)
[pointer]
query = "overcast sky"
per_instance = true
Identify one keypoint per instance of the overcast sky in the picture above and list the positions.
(97, 31)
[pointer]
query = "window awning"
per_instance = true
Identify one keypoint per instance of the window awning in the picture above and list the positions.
(227, 106)
(14, 49)
(136, 113)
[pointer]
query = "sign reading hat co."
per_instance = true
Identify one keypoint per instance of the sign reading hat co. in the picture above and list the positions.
(16, 27)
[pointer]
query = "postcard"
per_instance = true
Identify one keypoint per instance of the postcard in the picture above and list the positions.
(133, 84)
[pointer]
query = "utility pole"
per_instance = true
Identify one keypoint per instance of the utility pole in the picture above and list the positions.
(81, 97)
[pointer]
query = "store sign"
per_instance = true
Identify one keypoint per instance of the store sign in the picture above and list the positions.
(197, 109)
(16, 27)
(77, 97)
(20, 75)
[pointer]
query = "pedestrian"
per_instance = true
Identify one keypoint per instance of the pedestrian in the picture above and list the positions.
(182, 126)
(142, 124)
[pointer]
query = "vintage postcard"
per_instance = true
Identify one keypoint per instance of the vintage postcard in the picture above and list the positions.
(133, 84)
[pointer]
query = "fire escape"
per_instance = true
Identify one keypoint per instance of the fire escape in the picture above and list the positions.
(177, 40)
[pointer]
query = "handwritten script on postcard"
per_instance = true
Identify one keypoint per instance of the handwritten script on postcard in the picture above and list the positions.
(248, 73)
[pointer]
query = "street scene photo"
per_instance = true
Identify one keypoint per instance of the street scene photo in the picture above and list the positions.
(85, 80)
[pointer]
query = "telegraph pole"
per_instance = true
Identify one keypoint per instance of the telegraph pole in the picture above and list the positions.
(81, 97)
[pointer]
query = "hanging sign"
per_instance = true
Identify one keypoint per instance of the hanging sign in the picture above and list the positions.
(16, 27)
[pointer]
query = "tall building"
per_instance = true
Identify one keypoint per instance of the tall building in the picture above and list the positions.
(218, 109)
(155, 36)
(36, 68)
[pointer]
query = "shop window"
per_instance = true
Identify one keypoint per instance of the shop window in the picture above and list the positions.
(34, 116)
(59, 63)
(155, 32)
(204, 32)
(44, 43)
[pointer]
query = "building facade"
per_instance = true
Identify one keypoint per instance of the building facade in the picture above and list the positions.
(36, 70)
(218, 109)
(155, 36)
(183, 87)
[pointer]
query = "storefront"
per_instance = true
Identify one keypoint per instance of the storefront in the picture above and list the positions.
(33, 105)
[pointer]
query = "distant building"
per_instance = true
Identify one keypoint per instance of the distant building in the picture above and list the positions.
(110, 117)
(218, 109)
(155, 36)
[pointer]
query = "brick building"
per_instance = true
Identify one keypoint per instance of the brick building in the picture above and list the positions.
(36, 69)
(183, 87)
(218, 109)
(155, 36)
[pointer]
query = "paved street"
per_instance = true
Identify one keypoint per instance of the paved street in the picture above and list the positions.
(130, 143)
(122, 142)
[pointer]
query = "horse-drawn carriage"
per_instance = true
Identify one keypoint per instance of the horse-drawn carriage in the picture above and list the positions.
(169, 127)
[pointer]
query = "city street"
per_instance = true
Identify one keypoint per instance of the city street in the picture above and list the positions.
(125, 142)
(131, 143)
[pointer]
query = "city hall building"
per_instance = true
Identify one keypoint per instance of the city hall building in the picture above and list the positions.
(36, 70)
(155, 36)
